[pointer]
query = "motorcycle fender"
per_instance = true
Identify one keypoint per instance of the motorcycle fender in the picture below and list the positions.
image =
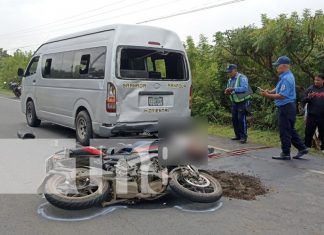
(41, 188)
(67, 172)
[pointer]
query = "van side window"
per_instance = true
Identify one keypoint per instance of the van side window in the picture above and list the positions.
(77, 64)
(84, 64)
(97, 63)
(32, 67)
(67, 65)
(89, 63)
(56, 65)
(47, 68)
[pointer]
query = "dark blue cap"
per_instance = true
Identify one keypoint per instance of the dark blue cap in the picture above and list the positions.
(230, 67)
(282, 60)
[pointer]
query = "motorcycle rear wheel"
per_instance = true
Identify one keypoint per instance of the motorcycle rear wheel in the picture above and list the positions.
(17, 93)
(79, 197)
(207, 191)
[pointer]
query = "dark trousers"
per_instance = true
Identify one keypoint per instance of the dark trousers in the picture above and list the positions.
(288, 133)
(239, 111)
(312, 123)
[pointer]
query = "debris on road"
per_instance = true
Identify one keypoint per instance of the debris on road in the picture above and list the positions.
(239, 185)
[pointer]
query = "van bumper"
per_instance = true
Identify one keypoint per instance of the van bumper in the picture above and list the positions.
(127, 127)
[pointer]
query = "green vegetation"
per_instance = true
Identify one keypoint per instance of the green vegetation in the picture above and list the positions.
(9, 65)
(254, 49)
(6, 92)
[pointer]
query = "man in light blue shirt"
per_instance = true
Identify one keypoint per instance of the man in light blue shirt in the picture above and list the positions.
(286, 88)
(284, 96)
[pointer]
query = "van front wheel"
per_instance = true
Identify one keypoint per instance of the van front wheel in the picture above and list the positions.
(83, 127)
(31, 117)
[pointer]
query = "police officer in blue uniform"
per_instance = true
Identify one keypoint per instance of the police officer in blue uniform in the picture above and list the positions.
(284, 96)
(238, 91)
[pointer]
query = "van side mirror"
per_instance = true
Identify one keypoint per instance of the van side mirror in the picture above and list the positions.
(20, 72)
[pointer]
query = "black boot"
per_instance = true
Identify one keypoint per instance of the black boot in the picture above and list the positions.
(282, 157)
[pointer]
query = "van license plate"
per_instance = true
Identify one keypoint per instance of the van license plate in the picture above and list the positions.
(155, 101)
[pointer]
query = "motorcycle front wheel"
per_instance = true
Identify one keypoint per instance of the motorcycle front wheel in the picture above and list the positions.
(80, 193)
(204, 188)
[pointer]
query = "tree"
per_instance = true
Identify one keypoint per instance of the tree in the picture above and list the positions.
(10, 63)
(254, 50)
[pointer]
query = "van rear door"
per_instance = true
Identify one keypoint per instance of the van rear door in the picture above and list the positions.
(151, 83)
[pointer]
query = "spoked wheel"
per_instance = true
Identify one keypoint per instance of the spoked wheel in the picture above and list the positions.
(200, 187)
(74, 194)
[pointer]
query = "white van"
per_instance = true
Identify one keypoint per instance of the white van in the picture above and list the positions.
(109, 80)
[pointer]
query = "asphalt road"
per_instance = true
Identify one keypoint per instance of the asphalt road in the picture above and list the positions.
(295, 204)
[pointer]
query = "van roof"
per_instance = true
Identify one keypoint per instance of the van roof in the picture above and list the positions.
(102, 29)
(125, 34)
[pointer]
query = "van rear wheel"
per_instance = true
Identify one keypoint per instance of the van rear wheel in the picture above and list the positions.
(83, 128)
(31, 117)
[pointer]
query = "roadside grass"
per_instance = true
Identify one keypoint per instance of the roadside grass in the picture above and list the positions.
(268, 138)
(6, 92)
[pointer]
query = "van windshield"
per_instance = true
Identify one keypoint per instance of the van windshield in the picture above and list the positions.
(150, 64)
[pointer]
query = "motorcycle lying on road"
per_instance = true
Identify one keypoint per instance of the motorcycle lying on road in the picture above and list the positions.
(15, 87)
(124, 175)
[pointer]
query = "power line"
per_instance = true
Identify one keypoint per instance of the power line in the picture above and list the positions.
(91, 16)
(63, 19)
(158, 18)
(191, 11)
(128, 13)
(115, 17)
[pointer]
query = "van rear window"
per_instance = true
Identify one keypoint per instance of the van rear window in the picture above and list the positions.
(148, 64)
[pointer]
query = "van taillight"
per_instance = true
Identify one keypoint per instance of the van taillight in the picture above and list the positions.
(190, 97)
(111, 98)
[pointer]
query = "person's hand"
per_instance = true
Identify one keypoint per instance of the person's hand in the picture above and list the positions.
(311, 94)
(264, 93)
(228, 91)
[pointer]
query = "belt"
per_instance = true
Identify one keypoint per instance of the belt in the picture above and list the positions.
(285, 105)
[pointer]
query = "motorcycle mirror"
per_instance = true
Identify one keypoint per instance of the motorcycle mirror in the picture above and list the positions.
(22, 134)
(20, 72)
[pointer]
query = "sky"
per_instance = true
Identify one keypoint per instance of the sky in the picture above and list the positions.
(25, 24)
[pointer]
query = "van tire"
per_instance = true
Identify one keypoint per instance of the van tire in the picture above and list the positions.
(83, 128)
(31, 116)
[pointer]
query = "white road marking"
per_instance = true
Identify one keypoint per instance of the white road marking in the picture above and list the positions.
(225, 150)
(317, 172)
(5, 98)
